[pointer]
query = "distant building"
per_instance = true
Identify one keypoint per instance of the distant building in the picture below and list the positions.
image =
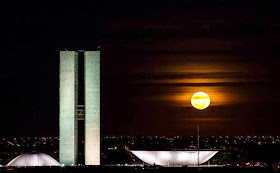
(69, 113)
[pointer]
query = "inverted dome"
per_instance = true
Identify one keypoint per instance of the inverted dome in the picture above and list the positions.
(179, 158)
(33, 159)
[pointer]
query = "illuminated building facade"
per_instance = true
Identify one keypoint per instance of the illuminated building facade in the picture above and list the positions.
(68, 107)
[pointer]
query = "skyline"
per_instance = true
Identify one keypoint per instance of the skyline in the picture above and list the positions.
(152, 61)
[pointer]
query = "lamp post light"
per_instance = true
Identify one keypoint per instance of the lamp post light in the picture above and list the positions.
(200, 101)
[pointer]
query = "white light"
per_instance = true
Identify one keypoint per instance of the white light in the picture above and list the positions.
(165, 155)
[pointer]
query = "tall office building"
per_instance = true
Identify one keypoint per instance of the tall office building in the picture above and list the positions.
(69, 112)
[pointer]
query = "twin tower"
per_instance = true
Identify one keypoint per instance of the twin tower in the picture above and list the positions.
(69, 110)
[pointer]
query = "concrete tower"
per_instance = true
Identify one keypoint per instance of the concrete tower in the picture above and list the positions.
(68, 107)
(92, 108)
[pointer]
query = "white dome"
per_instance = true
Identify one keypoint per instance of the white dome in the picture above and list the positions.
(33, 159)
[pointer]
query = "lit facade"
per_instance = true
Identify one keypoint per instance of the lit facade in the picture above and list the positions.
(92, 107)
(174, 158)
(68, 101)
(68, 107)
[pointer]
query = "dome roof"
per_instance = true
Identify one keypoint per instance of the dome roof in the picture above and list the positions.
(34, 159)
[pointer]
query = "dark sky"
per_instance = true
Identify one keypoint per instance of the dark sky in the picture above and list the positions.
(154, 56)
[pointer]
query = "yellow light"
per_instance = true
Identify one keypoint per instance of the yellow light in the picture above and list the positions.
(200, 100)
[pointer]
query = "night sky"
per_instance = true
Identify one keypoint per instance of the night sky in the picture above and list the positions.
(154, 56)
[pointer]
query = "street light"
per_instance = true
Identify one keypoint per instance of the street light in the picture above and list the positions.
(200, 101)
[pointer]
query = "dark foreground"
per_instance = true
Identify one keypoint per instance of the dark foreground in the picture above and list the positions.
(135, 170)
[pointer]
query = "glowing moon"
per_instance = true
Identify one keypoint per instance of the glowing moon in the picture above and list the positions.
(200, 100)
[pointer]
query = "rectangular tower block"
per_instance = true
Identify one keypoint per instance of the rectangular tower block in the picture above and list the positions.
(68, 100)
(92, 107)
